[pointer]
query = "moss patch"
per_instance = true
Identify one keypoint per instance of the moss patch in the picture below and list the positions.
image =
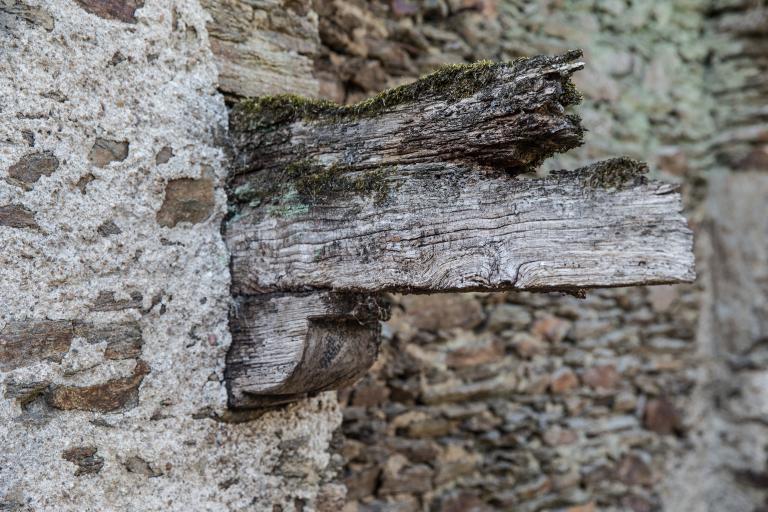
(451, 83)
(613, 173)
(301, 184)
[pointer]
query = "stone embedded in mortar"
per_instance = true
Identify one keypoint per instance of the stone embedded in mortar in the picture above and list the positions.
(82, 183)
(633, 470)
(400, 477)
(603, 376)
(120, 10)
(85, 458)
(106, 301)
(24, 392)
(32, 342)
(124, 340)
(28, 170)
(17, 216)
(563, 381)
(136, 464)
(33, 15)
(113, 395)
(164, 155)
(106, 151)
(186, 200)
(109, 228)
(442, 311)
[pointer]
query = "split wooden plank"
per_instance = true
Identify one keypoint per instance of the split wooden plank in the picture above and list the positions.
(419, 190)
(449, 228)
(512, 115)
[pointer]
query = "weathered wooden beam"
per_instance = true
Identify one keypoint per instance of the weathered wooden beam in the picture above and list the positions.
(512, 115)
(287, 346)
(419, 190)
(450, 228)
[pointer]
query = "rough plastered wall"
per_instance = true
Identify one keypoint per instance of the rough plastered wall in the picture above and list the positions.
(114, 277)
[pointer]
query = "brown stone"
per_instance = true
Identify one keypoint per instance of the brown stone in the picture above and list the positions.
(361, 481)
(106, 151)
(110, 396)
(28, 343)
(331, 498)
(465, 357)
(186, 200)
(632, 470)
(31, 167)
(370, 394)
(106, 301)
(136, 464)
(120, 10)
(635, 503)
(85, 458)
(398, 477)
(661, 416)
(563, 381)
(558, 436)
(464, 501)
(603, 376)
(587, 507)
(123, 340)
(370, 76)
(164, 155)
(455, 462)
(17, 216)
(442, 311)
(534, 488)
(24, 392)
(527, 346)
(82, 183)
(551, 328)
(662, 298)
(417, 450)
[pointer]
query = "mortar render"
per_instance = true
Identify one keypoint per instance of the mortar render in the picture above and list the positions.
(94, 255)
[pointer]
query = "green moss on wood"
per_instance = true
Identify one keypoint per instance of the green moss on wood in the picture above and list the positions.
(292, 189)
(614, 173)
(452, 83)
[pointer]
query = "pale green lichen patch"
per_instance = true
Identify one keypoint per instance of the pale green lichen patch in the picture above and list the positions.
(451, 83)
(293, 189)
(614, 173)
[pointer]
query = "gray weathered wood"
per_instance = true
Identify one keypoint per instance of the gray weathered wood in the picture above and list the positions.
(286, 346)
(419, 190)
(449, 228)
(511, 115)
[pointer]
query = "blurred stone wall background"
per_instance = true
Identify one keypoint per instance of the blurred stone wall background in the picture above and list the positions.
(637, 399)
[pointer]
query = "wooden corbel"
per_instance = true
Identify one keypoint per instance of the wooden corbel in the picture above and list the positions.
(418, 190)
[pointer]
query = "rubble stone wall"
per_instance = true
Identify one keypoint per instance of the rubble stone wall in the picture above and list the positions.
(636, 399)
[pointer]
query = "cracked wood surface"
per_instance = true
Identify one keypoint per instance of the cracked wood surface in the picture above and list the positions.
(491, 114)
(449, 228)
(419, 190)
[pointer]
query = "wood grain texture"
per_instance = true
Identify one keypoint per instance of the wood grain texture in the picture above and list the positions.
(511, 115)
(449, 228)
(287, 346)
(418, 190)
